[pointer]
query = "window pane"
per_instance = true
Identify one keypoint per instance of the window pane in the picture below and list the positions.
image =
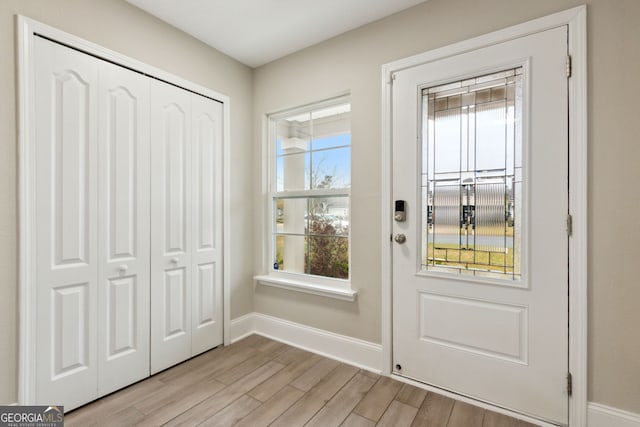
(293, 134)
(329, 216)
(312, 235)
(312, 153)
(290, 253)
(331, 142)
(292, 172)
(471, 176)
(291, 216)
(331, 168)
(328, 256)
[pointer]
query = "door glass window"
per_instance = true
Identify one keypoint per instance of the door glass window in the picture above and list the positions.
(472, 176)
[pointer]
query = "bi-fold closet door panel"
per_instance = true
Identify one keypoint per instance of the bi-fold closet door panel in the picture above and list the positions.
(66, 226)
(206, 231)
(186, 273)
(170, 225)
(123, 235)
(127, 195)
(92, 214)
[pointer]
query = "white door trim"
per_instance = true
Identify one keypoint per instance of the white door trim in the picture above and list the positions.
(576, 20)
(26, 29)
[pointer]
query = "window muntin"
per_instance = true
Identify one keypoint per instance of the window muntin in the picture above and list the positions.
(472, 176)
(311, 190)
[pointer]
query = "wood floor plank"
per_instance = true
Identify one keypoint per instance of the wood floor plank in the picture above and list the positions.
(355, 420)
(211, 366)
(159, 409)
(370, 374)
(168, 394)
(112, 403)
(494, 419)
(230, 415)
(126, 417)
(434, 411)
(272, 408)
(195, 362)
(293, 354)
(342, 403)
(307, 406)
(411, 395)
(267, 389)
(85, 415)
(522, 423)
(315, 374)
(209, 407)
(253, 340)
(398, 414)
(273, 348)
(271, 383)
(465, 415)
(378, 399)
(235, 373)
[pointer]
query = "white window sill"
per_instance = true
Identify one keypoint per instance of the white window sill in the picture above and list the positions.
(301, 286)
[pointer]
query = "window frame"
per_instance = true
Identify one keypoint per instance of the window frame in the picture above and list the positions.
(303, 282)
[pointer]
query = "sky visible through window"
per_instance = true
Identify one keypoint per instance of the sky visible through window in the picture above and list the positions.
(330, 156)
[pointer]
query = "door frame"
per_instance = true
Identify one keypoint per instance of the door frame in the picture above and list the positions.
(576, 21)
(26, 32)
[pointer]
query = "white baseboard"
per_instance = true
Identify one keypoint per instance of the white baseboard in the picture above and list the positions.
(605, 416)
(241, 327)
(363, 354)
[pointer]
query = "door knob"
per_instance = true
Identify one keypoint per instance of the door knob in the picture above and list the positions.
(400, 238)
(123, 268)
(174, 260)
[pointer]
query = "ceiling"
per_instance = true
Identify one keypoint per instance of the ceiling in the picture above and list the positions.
(259, 31)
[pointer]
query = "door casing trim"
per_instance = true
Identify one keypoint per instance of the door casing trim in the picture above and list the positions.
(27, 29)
(576, 21)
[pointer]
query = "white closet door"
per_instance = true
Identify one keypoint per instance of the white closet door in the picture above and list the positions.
(66, 87)
(170, 225)
(123, 235)
(206, 240)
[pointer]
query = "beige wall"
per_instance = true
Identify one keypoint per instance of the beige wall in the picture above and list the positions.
(353, 62)
(123, 28)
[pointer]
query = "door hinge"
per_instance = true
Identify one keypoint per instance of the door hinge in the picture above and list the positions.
(569, 384)
(569, 225)
(568, 65)
(392, 78)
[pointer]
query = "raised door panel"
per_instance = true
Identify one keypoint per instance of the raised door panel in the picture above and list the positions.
(170, 225)
(70, 336)
(123, 231)
(206, 239)
(65, 184)
(70, 168)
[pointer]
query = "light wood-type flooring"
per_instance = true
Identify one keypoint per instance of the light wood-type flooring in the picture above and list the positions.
(260, 382)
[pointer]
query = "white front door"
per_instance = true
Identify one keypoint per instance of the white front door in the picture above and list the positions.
(480, 283)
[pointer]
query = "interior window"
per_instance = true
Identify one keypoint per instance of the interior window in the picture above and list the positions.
(310, 189)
